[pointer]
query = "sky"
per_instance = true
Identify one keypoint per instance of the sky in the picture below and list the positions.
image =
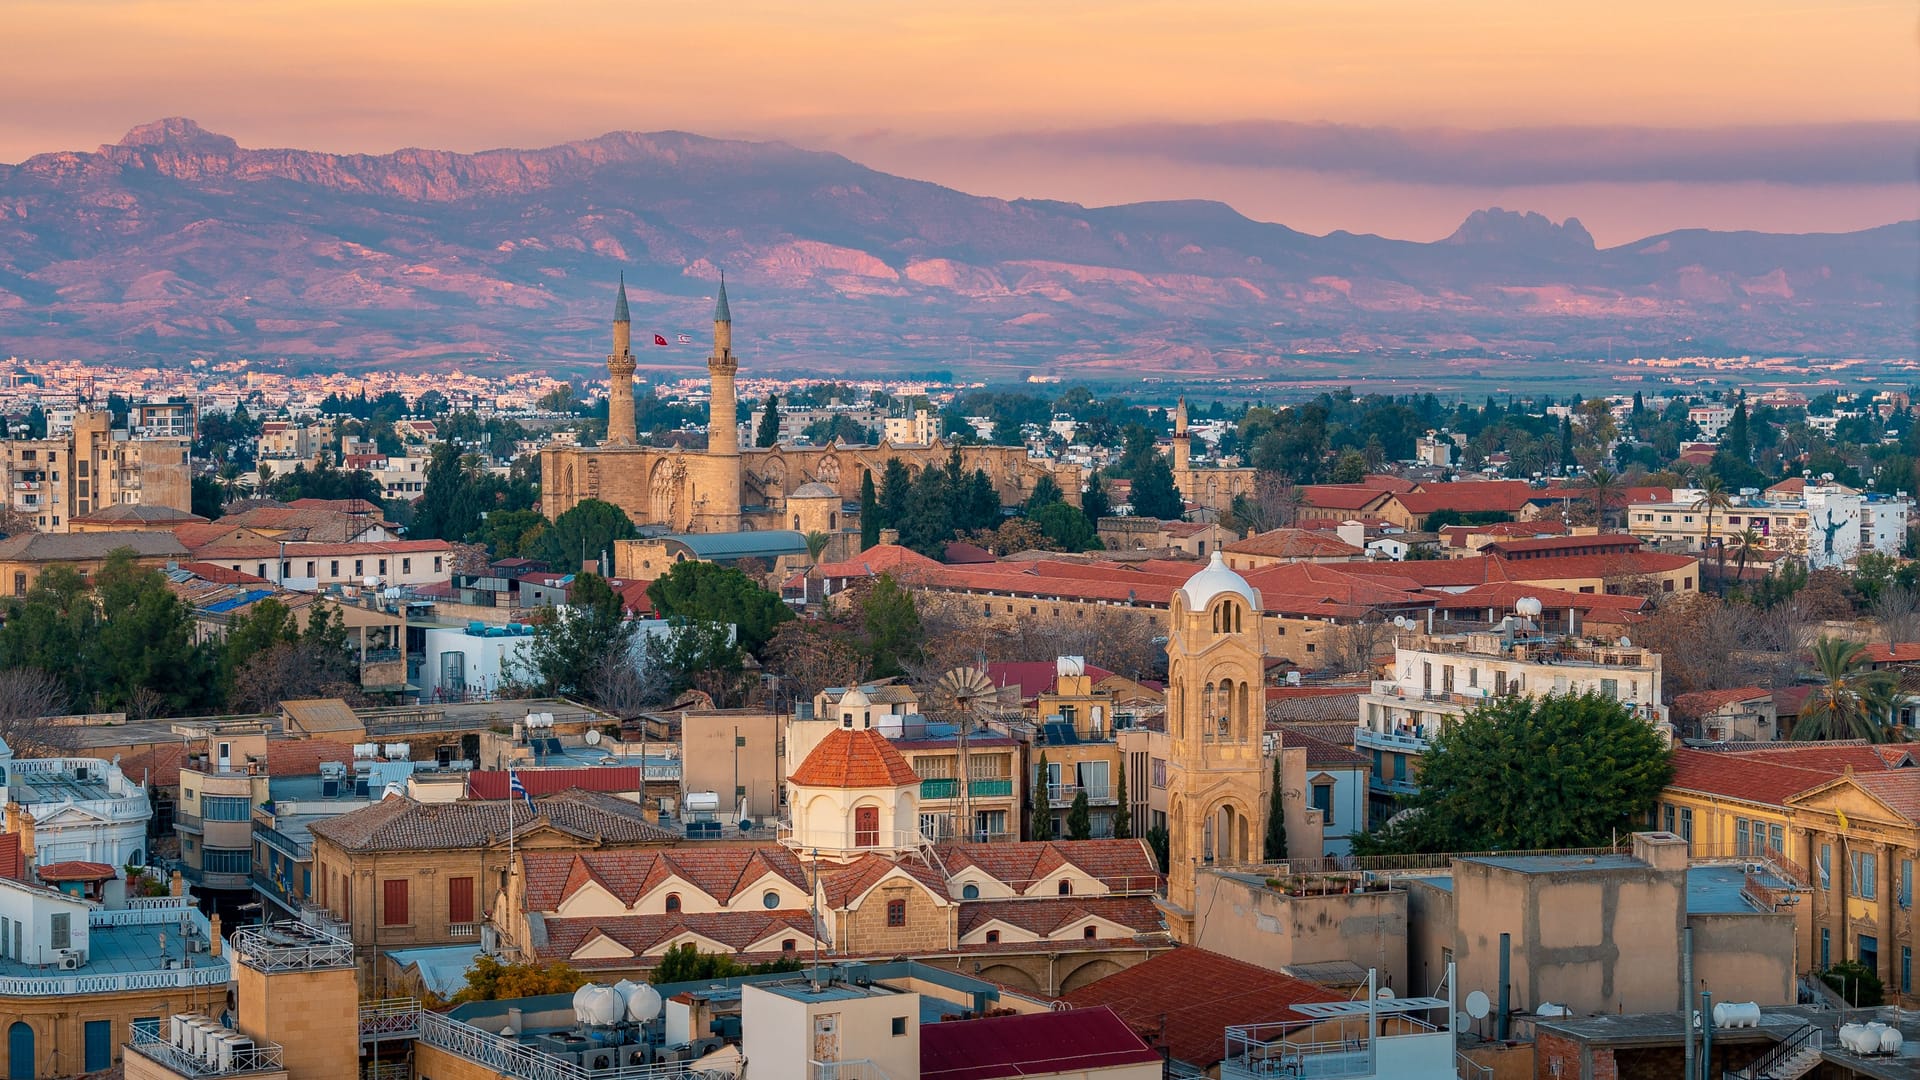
(1396, 117)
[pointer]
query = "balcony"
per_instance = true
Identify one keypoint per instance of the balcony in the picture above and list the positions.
(989, 789)
(1061, 795)
(1390, 785)
(256, 1057)
(939, 789)
(1402, 742)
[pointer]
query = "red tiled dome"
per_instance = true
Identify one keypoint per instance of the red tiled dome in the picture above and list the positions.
(850, 758)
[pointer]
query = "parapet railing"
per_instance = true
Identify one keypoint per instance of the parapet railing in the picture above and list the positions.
(291, 946)
(856, 1069)
(259, 1057)
(403, 1018)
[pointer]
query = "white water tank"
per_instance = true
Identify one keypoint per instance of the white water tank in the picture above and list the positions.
(596, 1006)
(1736, 1014)
(1856, 1038)
(1891, 1041)
(703, 801)
(643, 1004)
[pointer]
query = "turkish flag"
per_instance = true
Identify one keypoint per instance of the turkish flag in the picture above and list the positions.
(658, 340)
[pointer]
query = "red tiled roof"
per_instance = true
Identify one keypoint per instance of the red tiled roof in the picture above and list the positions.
(1703, 702)
(302, 757)
(1468, 497)
(1323, 590)
(1386, 482)
(1478, 570)
(842, 887)
(1584, 544)
(1120, 865)
(1341, 496)
(1905, 652)
(854, 758)
(1504, 594)
(1185, 999)
(960, 552)
(343, 506)
(1036, 1044)
(1294, 544)
(222, 575)
(159, 765)
(267, 549)
(720, 872)
(1767, 779)
(738, 930)
(1033, 677)
(1048, 916)
(13, 864)
(1322, 754)
(76, 871)
(876, 560)
(494, 784)
(1899, 789)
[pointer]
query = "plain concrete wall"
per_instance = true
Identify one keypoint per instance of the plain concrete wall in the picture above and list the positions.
(1745, 956)
(1249, 921)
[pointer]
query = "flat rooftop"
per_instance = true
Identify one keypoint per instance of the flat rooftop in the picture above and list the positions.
(1558, 864)
(130, 950)
(52, 787)
(1722, 890)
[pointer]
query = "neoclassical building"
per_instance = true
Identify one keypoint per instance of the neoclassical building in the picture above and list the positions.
(728, 488)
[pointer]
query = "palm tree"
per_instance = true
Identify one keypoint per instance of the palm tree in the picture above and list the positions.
(816, 543)
(1746, 544)
(1603, 489)
(1713, 497)
(1852, 701)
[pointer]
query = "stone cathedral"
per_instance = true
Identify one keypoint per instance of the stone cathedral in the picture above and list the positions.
(728, 488)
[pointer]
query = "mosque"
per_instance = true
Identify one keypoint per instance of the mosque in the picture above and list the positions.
(728, 488)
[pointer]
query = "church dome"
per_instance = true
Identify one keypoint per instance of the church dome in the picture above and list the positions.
(814, 490)
(1209, 584)
(850, 758)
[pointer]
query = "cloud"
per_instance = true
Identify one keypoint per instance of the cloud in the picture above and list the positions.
(1848, 153)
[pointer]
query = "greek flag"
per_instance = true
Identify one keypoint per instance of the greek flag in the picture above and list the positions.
(515, 788)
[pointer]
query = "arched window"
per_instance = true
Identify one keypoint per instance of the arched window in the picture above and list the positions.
(1066, 887)
(673, 902)
(1089, 933)
(788, 945)
(993, 937)
(969, 891)
(796, 523)
(833, 520)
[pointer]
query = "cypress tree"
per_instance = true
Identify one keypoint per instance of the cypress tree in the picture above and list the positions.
(1080, 818)
(768, 433)
(1095, 503)
(869, 513)
(1123, 817)
(1042, 807)
(1276, 842)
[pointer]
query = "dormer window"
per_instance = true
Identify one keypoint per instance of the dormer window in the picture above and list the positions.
(673, 903)
(846, 720)
(1066, 887)
(1089, 933)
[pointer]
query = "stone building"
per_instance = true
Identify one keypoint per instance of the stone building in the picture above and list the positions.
(730, 488)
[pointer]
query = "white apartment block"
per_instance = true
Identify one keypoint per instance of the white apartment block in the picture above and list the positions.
(1829, 525)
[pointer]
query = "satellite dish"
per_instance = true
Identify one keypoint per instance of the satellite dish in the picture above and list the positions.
(1477, 1005)
(1401, 621)
(1461, 1022)
(593, 737)
(1385, 993)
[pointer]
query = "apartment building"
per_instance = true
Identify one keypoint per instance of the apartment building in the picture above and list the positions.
(1437, 678)
(1822, 525)
(91, 467)
(920, 429)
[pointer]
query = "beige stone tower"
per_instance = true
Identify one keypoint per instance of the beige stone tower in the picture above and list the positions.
(1182, 445)
(717, 509)
(1216, 713)
(297, 987)
(620, 365)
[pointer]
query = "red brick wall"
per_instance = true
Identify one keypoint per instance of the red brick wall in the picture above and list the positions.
(1550, 1049)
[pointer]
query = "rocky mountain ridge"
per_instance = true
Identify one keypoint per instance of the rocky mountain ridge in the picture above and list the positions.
(177, 242)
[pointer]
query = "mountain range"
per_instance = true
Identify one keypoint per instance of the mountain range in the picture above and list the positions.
(176, 242)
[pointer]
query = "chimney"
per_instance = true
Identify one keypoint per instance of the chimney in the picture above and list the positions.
(213, 932)
(20, 823)
(890, 536)
(176, 887)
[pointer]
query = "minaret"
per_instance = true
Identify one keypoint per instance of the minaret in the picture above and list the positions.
(1181, 445)
(721, 511)
(620, 365)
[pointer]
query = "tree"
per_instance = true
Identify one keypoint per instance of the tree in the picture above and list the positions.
(1856, 983)
(1094, 502)
(1603, 491)
(686, 963)
(264, 626)
(810, 655)
(1045, 492)
(511, 534)
(1161, 845)
(1852, 701)
(1713, 498)
(145, 641)
(1123, 810)
(1746, 544)
(490, 980)
(28, 697)
(1042, 802)
(869, 512)
(768, 433)
(1350, 469)
(1897, 610)
(1529, 774)
(896, 487)
(708, 592)
(1154, 494)
(571, 644)
(1065, 526)
(208, 497)
(1352, 648)
(1275, 846)
(817, 542)
(890, 627)
(1739, 437)
(583, 534)
(1079, 817)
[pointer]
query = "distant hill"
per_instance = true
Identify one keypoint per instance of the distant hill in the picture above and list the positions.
(177, 242)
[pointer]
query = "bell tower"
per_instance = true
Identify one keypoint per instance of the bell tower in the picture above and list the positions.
(1216, 714)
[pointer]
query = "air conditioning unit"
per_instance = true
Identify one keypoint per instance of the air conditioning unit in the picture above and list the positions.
(600, 1060)
(639, 1055)
(70, 960)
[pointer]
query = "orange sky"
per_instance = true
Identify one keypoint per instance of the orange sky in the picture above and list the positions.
(887, 80)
